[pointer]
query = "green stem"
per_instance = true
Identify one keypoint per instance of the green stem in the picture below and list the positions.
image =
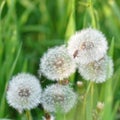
(64, 117)
(84, 4)
(85, 98)
(92, 92)
(28, 115)
(88, 88)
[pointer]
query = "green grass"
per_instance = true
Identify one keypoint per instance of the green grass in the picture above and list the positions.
(29, 27)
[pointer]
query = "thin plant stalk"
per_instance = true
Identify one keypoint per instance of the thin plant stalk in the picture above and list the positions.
(28, 115)
(85, 97)
(64, 117)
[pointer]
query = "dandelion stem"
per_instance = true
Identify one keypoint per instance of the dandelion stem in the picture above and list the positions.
(64, 117)
(85, 97)
(88, 88)
(92, 91)
(28, 115)
(84, 4)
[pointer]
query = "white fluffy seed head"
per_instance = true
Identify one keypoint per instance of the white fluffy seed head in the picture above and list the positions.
(87, 45)
(56, 64)
(24, 92)
(97, 71)
(58, 98)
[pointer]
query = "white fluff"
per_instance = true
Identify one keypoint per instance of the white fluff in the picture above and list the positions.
(87, 46)
(97, 71)
(58, 97)
(24, 92)
(57, 64)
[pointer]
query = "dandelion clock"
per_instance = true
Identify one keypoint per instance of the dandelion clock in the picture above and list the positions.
(58, 98)
(97, 71)
(24, 92)
(56, 64)
(87, 45)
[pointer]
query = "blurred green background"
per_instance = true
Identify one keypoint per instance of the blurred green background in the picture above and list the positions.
(29, 27)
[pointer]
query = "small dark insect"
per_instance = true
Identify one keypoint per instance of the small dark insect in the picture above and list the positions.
(75, 54)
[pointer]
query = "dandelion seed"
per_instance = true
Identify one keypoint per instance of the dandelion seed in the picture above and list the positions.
(97, 71)
(58, 97)
(87, 45)
(56, 64)
(24, 92)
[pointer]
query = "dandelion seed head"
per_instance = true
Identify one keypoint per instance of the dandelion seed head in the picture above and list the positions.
(97, 71)
(59, 97)
(24, 92)
(56, 64)
(87, 45)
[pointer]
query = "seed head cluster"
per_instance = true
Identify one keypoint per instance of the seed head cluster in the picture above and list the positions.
(85, 51)
(87, 46)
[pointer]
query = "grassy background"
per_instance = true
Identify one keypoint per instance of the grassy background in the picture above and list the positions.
(29, 27)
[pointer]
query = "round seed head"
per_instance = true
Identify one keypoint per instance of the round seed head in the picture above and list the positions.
(97, 71)
(56, 64)
(24, 92)
(58, 97)
(87, 46)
